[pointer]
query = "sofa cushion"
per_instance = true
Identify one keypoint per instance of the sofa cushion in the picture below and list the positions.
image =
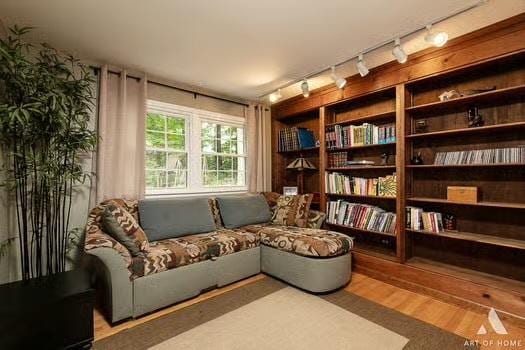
(123, 227)
(169, 218)
(237, 211)
(214, 205)
(172, 253)
(303, 241)
(292, 210)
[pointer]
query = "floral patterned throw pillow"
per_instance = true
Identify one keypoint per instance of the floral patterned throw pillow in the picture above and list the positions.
(292, 210)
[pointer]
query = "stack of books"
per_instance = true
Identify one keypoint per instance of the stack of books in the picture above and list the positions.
(336, 183)
(417, 219)
(338, 136)
(337, 159)
(294, 139)
(482, 156)
(361, 216)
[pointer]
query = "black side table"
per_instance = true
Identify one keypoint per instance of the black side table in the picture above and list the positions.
(52, 312)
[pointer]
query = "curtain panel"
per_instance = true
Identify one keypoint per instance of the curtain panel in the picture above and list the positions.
(120, 159)
(259, 147)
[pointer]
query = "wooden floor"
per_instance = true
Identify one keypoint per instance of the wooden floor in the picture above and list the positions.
(452, 318)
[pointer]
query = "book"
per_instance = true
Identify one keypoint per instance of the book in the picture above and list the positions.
(361, 216)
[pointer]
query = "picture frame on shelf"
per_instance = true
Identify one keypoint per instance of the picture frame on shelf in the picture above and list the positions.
(290, 190)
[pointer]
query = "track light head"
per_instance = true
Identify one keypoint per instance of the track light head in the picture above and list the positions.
(361, 67)
(305, 88)
(339, 82)
(437, 39)
(276, 96)
(398, 52)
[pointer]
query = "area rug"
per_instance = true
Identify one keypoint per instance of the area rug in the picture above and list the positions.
(268, 314)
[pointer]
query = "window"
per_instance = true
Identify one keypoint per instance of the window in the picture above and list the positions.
(193, 151)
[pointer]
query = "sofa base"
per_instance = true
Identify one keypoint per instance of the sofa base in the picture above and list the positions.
(311, 274)
(165, 288)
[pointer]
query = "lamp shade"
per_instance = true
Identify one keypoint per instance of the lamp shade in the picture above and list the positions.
(301, 164)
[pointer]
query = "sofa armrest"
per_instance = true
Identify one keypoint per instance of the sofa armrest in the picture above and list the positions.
(315, 219)
(112, 278)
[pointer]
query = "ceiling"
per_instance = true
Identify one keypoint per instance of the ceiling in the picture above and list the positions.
(237, 48)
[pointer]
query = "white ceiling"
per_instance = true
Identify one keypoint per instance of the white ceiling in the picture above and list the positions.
(235, 47)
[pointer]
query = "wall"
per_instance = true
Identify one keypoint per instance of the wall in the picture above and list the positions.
(182, 98)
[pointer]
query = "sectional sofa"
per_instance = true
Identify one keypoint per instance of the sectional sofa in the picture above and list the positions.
(198, 244)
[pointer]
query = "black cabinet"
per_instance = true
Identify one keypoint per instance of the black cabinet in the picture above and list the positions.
(52, 312)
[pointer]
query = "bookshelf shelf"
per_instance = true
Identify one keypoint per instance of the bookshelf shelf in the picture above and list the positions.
(476, 237)
(507, 205)
(375, 145)
(499, 95)
(469, 131)
(361, 230)
(432, 166)
(366, 118)
(311, 149)
(359, 196)
(363, 167)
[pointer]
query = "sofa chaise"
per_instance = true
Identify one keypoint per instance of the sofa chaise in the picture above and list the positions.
(184, 255)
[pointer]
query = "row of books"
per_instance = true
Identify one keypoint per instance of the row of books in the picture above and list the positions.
(361, 216)
(337, 183)
(482, 156)
(337, 159)
(294, 139)
(417, 219)
(338, 136)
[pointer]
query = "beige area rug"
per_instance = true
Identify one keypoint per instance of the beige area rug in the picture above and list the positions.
(269, 314)
(287, 319)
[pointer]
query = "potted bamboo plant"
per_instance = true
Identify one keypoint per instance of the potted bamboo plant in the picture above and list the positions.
(46, 101)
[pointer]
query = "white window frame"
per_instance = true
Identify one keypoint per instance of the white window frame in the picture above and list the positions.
(194, 119)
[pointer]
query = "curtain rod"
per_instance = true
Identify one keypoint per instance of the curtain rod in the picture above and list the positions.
(195, 93)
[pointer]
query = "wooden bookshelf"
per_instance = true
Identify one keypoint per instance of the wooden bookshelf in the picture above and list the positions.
(363, 167)
(504, 205)
(468, 131)
(486, 251)
(375, 145)
(302, 150)
(357, 196)
(475, 237)
(344, 227)
(498, 96)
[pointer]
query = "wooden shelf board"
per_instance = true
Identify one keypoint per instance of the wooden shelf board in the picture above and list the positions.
(378, 252)
(481, 97)
(359, 196)
(359, 147)
(464, 131)
(467, 274)
(476, 237)
(370, 117)
(361, 230)
(363, 167)
(466, 165)
(301, 150)
(480, 204)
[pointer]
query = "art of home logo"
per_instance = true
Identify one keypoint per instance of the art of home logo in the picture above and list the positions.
(495, 323)
(493, 333)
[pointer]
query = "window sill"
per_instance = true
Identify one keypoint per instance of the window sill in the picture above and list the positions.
(210, 193)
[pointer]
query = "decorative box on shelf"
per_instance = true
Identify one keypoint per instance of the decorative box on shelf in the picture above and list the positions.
(464, 194)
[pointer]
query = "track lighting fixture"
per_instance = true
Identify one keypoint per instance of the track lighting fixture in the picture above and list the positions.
(305, 88)
(276, 96)
(437, 39)
(361, 67)
(339, 82)
(398, 52)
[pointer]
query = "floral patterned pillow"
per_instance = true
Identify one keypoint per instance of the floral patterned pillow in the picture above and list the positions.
(292, 210)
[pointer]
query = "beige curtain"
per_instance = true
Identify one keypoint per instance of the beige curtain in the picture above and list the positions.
(259, 147)
(121, 126)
